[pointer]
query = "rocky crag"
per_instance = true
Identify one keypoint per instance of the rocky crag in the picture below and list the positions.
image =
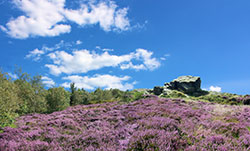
(190, 87)
(185, 85)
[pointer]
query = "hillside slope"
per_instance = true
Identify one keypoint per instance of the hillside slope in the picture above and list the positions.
(148, 124)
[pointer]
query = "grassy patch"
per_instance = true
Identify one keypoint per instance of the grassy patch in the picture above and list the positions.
(248, 127)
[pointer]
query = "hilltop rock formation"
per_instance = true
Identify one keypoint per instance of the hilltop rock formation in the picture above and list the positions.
(186, 84)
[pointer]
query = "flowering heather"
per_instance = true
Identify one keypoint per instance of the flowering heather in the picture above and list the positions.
(152, 124)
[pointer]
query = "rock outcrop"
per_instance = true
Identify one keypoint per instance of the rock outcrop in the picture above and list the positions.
(246, 100)
(185, 84)
(158, 90)
(189, 85)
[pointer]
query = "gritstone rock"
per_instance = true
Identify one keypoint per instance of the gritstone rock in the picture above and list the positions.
(246, 100)
(186, 84)
(158, 90)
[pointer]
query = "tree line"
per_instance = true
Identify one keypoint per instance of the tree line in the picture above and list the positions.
(27, 95)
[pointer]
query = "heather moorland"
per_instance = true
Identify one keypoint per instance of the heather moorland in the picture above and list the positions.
(133, 120)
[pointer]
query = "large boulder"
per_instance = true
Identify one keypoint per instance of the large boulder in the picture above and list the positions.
(246, 100)
(158, 90)
(186, 84)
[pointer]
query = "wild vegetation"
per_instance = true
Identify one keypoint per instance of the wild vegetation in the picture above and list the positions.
(27, 95)
(36, 119)
(148, 124)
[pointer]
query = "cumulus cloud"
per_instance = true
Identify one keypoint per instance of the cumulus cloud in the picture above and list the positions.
(146, 56)
(82, 61)
(121, 21)
(41, 18)
(47, 81)
(51, 18)
(215, 88)
(37, 54)
(104, 81)
(105, 14)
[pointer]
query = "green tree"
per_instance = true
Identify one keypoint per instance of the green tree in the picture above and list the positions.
(75, 97)
(100, 96)
(117, 94)
(8, 101)
(97, 95)
(72, 96)
(57, 99)
(86, 97)
(78, 96)
(39, 94)
(31, 94)
(107, 95)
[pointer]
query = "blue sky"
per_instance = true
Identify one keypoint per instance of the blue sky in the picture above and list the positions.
(128, 44)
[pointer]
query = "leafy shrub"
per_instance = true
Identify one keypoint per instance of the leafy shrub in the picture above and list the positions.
(174, 94)
(221, 98)
(31, 94)
(9, 102)
(57, 99)
(78, 96)
(136, 95)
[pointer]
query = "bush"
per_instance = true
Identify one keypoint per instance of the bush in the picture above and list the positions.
(174, 94)
(222, 98)
(31, 95)
(76, 96)
(9, 102)
(57, 99)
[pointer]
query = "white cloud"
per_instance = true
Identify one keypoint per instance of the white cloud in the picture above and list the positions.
(130, 65)
(103, 49)
(121, 21)
(47, 81)
(78, 42)
(82, 61)
(104, 81)
(61, 45)
(149, 62)
(97, 47)
(41, 18)
(105, 14)
(162, 58)
(35, 54)
(107, 49)
(51, 18)
(215, 88)
(165, 57)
